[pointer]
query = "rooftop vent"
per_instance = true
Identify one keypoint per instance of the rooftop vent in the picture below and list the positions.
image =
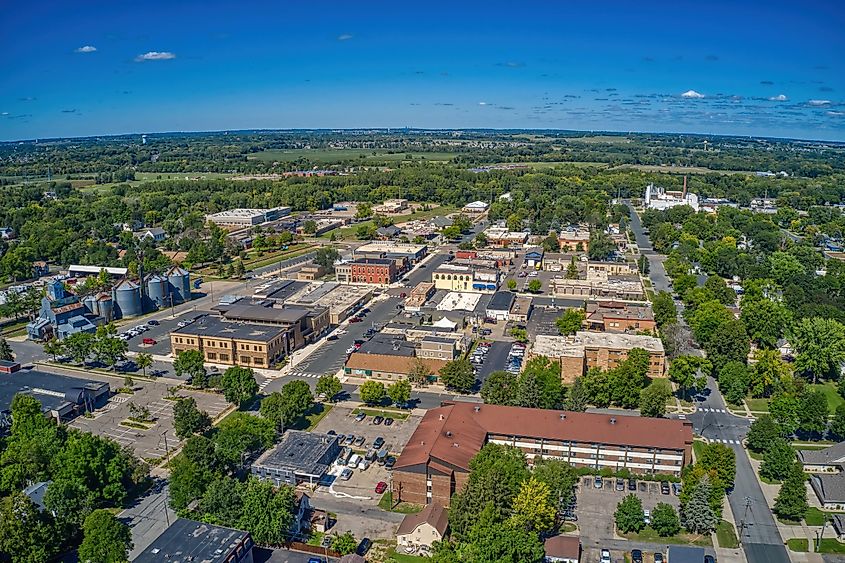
(443, 417)
(613, 420)
(455, 445)
(477, 409)
(449, 433)
(562, 416)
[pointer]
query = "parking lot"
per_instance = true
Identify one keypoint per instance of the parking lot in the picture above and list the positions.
(160, 438)
(595, 507)
(342, 421)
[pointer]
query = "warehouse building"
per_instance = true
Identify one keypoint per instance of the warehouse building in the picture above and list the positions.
(189, 540)
(299, 457)
(242, 218)
(435, 463)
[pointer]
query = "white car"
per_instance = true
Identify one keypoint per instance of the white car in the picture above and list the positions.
(647, 517)
(605, 556)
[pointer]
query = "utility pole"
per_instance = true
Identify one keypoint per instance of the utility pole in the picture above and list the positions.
(167, 495)
(743, 523)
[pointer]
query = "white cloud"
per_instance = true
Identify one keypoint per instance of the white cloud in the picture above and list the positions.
(86, 49)
(482, 103)
(836, 113)
(5, 113)
(155, 56)
(819, 103)
(344, 37)
(692, 94)
(779, 98)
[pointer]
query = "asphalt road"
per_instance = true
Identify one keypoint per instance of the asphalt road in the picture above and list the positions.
(760, 538)
(148, 518)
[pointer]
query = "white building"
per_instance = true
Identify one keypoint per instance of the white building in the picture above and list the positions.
(475, 207)
(247, 217)
(660, 199)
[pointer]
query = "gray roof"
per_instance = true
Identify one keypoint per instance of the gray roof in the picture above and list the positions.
(36, 493)
(254, 312)
(829, 487)
(215, 327)
(501, 301)
(441, 221)
(834, 455)
(388, 345)
(389, 231)
(838, 523)
(285, 289)
(60, 388)
(189, 540)
(308, 453)
(685, 554)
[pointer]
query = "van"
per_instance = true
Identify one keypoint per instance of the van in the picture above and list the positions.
(354, 460)
(381, 456)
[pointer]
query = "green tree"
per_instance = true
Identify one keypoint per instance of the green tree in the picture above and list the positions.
(326, 256)
(664, 310)
(778, 461)
(791, 502)
(511, 284)
(222, 502)
(721, 459)
(534, 286)
(419, 373)
(32, 444)
(765, 321)
(458, 375)
(819, 345)
(26, 535)
(571, 270)
(399, 392)
(785, 407)
(499, 388)
(767, 372)
(654, 397)
(79, 346)
(784, 267)
(284, 408)
(6, 353)
(551, 243)
(238, 385)
(533, 507)
(309, 227)
(192, 364)
(689, 372)
(579, 396)
(344, 543)
(571, 321)
(729, 343)
(240, 435)
(502, 542)
(560, 477)
(267, 511)
(813, 412)
(697, 514)
(105, 539)
(328, 385)
(720, 291)
(734, 381)
(706, 319)
(363, 210)
(629, 515)
(54, 348)
(837, 425)
(763, 434)
(601, 245)
(69, 501)
(143, 361)
(188, 482)
(372, 392)
(188, 419)
(664, 520)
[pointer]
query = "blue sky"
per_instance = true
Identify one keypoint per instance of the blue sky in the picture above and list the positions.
(106, 67)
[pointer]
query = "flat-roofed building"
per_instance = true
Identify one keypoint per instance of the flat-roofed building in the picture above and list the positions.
(475, 207)
(374, 271)
(413, 253)
(391, 206)
(574, 239)
(234, 343)
(521, 309)
(504, 238)
(299, 457)
(388, 357)
(189, 540)
(599, 285)
(595, 267)
(438, 348)
(419, 295)
(584, 350)
(435, 462)
(310, 272)
(500, 304)
(303, 324)
(246, 217)
(454, 277)
(617, 316)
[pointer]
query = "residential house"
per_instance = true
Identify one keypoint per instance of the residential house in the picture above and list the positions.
(562, 549)
(423, 528)
(827, 460)
(830, 490)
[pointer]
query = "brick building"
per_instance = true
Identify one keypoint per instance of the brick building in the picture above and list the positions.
(376, 271)
(229, 343)
(617, 316)
(435, 463)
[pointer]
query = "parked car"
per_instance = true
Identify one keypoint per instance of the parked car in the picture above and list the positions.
(658, 557)
(331, 432)
(359, 441)
(388, 421)
(664, 487)
(378, 420)
(389, 462)
(364, 464)
(355, 320)
(360, 416)
(381, 487)
(605, 556)
(354, 461)
(636, 556)
(350, 439)
(331, 337)
(346, 474)
(378, 442)
(620, 485)
(647, 517)
(153, 322)
(364, 547)
(676, 488)
(632, 484)
(709, 559)
(597, 482)
(149, 341)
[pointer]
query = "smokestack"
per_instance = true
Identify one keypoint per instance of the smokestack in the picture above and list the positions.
(684, 194)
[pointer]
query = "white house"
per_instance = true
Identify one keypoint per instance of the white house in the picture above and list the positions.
(424, 528)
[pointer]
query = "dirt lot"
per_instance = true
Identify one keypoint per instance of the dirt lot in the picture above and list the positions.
(595, 507)
(147, 444)
(341, 420)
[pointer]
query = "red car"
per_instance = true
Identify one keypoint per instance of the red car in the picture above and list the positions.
(149, 341)
(354, 320)
(381, 487)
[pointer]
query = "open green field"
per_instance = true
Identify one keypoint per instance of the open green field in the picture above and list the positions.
(346, 233)
(678, 169)
(600, 139)
(829, 390)
(329, 156)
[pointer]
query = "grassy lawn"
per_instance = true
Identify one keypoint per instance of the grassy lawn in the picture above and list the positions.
(698, 448)
(314, 416)
(393, 555)
(816, 517)
(568, 527)
(650, 536)
(829, 390)
(726, 535)
(395, 415)
(830, 545)
(285, 256)
(758, 405)
(386, 503)
(348, 233)
(798, 544)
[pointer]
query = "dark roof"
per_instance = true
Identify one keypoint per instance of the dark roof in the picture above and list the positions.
(433, 514)
(189, 540)
(839, 523)
(390, 230)
(501, 301)
(60, 388)
(300, 452)
(564, 547)
(214, 327)
(387, 345)
(685, 554)
(286, 288)
(456, 431)
(373, 261)
(834, 455)
(829, 487)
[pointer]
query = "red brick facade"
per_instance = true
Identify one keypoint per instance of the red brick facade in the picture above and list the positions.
(382, 272)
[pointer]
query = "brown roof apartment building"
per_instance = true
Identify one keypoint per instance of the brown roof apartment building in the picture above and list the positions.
(618, 316)
(435, 462)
